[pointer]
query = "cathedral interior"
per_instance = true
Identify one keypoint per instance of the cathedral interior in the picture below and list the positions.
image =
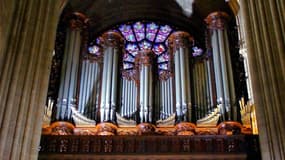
(143, 79)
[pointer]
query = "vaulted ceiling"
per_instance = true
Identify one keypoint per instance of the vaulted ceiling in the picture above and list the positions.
(105, 14)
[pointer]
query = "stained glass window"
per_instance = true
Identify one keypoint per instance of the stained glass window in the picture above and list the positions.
(197, 51)
(94, 48)
(146, 35)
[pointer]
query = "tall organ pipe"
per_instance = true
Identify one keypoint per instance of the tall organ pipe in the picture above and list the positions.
(112, 48)
(222, 64)
(181, 42)
(143, 62)
(68, 82)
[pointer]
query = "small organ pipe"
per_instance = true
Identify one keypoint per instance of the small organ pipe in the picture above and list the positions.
(224, 77)
(171, 95)
(177, 84)
(103, 89)
(231, 79)
(182, 75)
(80, 107)
(124, 97)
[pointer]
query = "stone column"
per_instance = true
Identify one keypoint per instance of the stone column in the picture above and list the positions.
(67, 95)
(112, 49)
(145, 69)
(180, 44)
(264, 24)
(25, 60)
(225, 90)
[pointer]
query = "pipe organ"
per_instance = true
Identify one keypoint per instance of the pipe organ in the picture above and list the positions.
(147, 73)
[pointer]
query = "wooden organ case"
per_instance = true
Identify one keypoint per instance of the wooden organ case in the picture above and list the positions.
(145, 90)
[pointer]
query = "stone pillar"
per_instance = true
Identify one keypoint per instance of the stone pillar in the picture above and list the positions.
(67, 95)
(180, 44)
(112, 49)
(25, 60)
(264, 24)
(225, 90)
(145, 69)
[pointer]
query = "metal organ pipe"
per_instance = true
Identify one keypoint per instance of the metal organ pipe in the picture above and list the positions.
(180, 42)
(143, 64)
(112, 45)
(177, 84)
(80, 104)
(223, 72)
(68, 82)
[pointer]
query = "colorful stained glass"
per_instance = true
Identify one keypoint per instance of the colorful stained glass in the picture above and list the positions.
(145, 45)
(128, 65)
(159, 48)
(197, 51)
(163, 32)
(163, 66)
(139, 31)
(132, 47)
(151, 30)
(127, 32)
(128, 57)
(94, 50)
(163, 58)
(141, 36)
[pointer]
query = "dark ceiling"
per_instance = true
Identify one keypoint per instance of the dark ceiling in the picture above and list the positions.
(106, 14)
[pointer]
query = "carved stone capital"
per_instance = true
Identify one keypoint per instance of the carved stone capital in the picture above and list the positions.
(180, 39)
(217, 20)
(112, 39)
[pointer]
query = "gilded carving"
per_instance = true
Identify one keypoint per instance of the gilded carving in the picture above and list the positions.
(144, 57)
(62, 128)
(106, 128)
(76, 20)
(185, 128)
(145, 129)
(229, 128)
(217, 20)
(112, 39)
(180, 39)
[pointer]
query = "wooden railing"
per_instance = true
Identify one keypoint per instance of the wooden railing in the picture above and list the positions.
(125, 145)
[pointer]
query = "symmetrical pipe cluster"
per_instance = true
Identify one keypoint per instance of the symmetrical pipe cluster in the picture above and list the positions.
(101, 91)
(145, 69)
